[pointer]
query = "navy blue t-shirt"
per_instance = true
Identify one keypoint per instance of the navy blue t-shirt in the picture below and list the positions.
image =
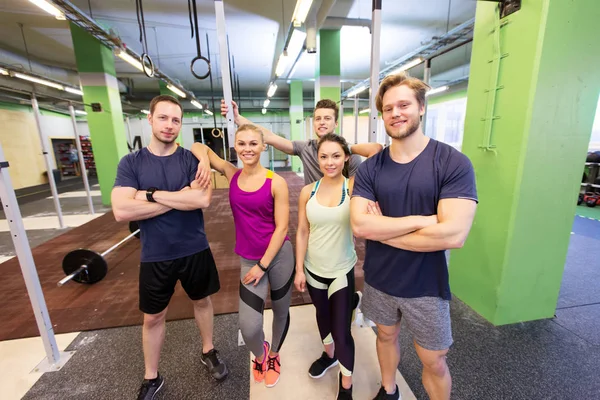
(175, 233)
(414, 188)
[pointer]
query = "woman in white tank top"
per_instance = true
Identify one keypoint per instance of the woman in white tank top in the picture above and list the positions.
(325, 259)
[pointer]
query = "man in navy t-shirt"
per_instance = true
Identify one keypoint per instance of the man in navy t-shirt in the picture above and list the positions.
(156, 186)
(412, 201)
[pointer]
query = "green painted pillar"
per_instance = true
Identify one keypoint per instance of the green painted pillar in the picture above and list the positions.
(328, 67)
(96, 66)
(164, 90)
(533, 90)
(296, 117)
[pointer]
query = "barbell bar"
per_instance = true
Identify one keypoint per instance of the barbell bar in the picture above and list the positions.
(88, 266)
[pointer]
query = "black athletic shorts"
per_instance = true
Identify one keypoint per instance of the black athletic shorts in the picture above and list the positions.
(197, 273)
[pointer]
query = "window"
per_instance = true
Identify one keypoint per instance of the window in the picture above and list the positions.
(446, 121)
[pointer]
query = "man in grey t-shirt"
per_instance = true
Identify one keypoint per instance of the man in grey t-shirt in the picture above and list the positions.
(325, 120)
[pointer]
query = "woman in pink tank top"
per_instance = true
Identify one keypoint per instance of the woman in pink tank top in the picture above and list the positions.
(259, 202)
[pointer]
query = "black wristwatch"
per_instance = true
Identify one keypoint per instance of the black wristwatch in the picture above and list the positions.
(150, 193)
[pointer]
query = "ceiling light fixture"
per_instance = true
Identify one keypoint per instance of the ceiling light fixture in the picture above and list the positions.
(408, 65)
(123, 55)
(366, 110)
(264, 111)
(80, 112)
(3, 71)
(49, 8)
(437, 90)
(281, 64)
(176, 90)
(208, 112)
(196, 104)
(146, 112)
(266, 103)
(301, 11)
(272, 89)
(38, 80)
(73, 90)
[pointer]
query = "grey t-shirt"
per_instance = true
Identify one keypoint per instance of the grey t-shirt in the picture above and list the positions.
(307, 151)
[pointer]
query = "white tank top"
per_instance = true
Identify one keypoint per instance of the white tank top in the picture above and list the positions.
(330, 251)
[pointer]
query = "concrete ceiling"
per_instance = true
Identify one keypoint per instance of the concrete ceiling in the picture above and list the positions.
(256, 31)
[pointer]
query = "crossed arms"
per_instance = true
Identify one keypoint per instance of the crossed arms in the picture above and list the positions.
(446, 230)
(130, 204)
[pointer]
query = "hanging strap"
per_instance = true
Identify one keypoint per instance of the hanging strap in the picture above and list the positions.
(145, 58)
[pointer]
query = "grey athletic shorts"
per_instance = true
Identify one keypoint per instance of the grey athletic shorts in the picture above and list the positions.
(427, 318)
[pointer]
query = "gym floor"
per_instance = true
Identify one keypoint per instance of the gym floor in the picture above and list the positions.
(556, 358)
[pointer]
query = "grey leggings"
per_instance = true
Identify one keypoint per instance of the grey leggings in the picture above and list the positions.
(280, 277)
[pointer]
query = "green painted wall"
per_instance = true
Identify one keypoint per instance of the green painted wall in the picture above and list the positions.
(511, 267)
(107, 129)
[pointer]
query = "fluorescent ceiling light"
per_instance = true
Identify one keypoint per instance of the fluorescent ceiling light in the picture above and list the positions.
(73, 90)
(176, 90)
(437, 90)
(208, 112)
(301, 11)
(272, 89)
(3, 71)
(196, 104)
(38, 80)
(365, 110)
(123, 55)
(146, 112)
(281, 64)
(408, 65)
(80, 112)
(356, 91)
(266, 103)
(264, 110)
(49, 8)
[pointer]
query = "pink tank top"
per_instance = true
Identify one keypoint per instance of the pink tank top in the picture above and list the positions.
(253, 214)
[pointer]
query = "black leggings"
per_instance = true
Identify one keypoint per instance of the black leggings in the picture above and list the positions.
(333, 299)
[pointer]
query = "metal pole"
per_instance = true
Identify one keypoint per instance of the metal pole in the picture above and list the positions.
(225, 72)
(86, 184)
(426, 79)
(342, 117)
(129, 133)
(272, 159)
(356, 118)
(32, 281)
(375, 47)
(36, 113)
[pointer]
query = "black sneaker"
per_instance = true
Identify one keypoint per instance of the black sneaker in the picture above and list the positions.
(150, 387)
(321, 365)
(382, 394)
(343, 394)
(215, 366)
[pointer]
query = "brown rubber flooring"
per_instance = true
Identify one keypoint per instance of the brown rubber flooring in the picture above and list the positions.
(113, 302)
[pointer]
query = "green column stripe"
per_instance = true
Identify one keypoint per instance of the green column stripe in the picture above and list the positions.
(90, 54)
(296, 119)
(329, 52)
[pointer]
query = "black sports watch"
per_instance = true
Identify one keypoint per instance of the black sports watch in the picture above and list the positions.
(150, 193)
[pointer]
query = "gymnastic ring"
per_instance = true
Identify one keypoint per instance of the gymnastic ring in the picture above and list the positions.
(218, 130)
(207, 63)
(146, 58)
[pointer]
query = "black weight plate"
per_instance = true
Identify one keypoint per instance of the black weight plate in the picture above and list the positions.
(96, 270)
(134, 226)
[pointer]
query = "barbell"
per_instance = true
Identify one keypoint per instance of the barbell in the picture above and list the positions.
(89, 266)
